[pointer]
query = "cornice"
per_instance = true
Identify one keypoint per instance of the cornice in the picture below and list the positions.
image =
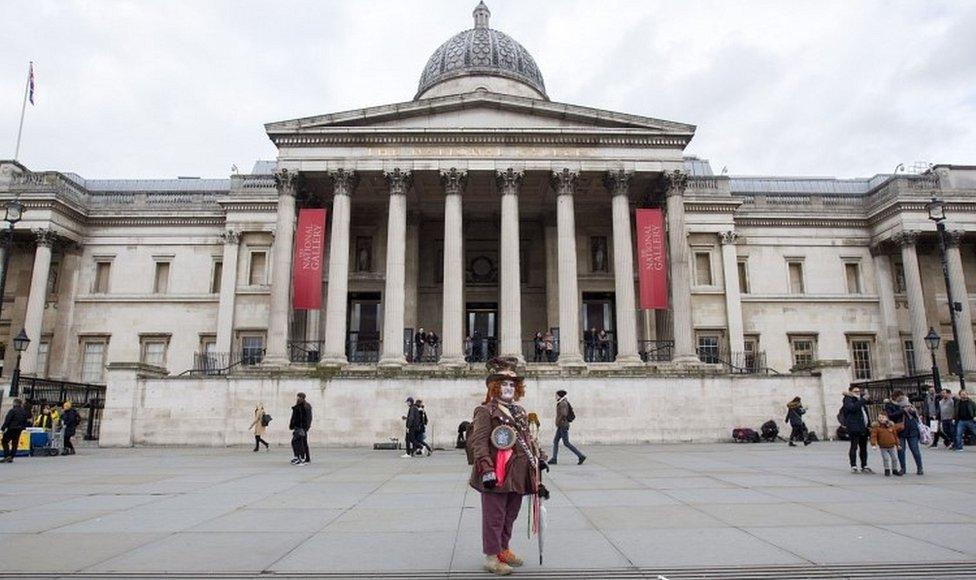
(160, 220)
(506, 138)
(810, 222)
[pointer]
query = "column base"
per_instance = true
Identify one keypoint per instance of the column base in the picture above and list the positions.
(452, 362)
(392, 362)
(333, 361)
(275, 361)
(686, 359)
(631, 360)
(572, 361)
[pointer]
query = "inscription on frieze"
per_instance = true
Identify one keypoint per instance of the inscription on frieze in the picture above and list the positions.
(479, 152)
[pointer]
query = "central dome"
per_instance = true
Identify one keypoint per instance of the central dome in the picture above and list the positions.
(481, 58)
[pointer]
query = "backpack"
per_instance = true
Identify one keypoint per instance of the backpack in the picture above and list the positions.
(570, 415)
(265, 419)
(840, 418)
(745, 435)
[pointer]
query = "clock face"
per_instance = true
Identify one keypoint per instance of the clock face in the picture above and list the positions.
(503, 437)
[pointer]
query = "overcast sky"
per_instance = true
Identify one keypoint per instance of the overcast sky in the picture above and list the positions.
(167, 88)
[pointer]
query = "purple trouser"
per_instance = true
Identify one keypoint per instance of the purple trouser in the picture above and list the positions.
(498, 514)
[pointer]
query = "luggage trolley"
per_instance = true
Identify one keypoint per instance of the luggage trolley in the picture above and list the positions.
(51, 445)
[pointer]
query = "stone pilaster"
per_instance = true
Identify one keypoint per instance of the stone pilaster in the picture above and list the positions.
(916, 300)
(510, 290)
(733, 296)
(34, 317)
(452, 332)
(889, 347)
(228, 291)
(964, 317)
(396, 264)
(337, 295)
(277, 347)
(684, 347)
(564, 184)
(618, 183)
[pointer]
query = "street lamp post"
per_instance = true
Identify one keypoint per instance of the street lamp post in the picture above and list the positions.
(13, 211)
(932, 341)
(20, 345)
(936, 209)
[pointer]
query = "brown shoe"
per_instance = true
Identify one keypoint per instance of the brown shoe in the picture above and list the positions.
(508, 556)
(497, 567)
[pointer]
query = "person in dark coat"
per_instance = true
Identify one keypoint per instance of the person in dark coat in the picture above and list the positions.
(794, 416)
(419, 340)
(539, 344)
(910, 432)
(300, 423)
(13, 425)
(70, 419)
(855, 414)
(589, 344)
(420, 435)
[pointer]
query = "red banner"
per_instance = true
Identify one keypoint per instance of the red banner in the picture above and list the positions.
(307, 266)
(652, 260)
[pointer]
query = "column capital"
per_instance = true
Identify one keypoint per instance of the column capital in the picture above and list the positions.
(232, 237)
(618, 182)
(44, 237)
(286, 181)
(399, 180)
(453, 180)
(954, 237)
(676, 181)
(343, 181)
(564, 181)
(509, 181)
(905, 238)
(728, 238)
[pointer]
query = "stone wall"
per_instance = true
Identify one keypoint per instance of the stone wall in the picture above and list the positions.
(145, 409)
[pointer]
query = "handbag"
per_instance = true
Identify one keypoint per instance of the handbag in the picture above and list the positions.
(925, 434)
(298, 433)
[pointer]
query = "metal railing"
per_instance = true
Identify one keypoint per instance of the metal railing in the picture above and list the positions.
(422, 352)
(738, 363)
(363, 348)
(480, 349)
(221, 363)
(915, 388)
(37, 392)
(305, 351)
(540, 351)
(655, 350)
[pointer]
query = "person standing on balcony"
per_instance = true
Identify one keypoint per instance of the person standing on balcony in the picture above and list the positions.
(432, 340)
(419, 340)
(70, 419)
(539, 345)
(603, 341)
(564, 416)
(550, 343)
(589, 344)
(260, 427)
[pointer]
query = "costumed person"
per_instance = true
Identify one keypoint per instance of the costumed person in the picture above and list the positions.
(507, 463)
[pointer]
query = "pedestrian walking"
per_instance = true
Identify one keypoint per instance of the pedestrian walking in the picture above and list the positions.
(965, 418)
(884, 434)
(13, 425)
(506, 463)
(947, 424)
(564, 416)
(420, 435)
(410, 423)
(931, 407)
(300, 423)
(260, 427)
(70, 419)
(794, 416)
(854, 415)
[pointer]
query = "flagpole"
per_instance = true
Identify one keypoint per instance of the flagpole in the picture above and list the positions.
(23, 109)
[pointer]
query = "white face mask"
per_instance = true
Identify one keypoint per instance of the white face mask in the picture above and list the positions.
(508, 390)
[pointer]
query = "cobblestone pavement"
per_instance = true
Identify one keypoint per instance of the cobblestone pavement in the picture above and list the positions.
(628, 508)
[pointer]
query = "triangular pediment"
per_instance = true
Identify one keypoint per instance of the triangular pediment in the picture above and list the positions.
(479, 110)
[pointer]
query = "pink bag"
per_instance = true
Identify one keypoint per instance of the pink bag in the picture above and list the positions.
(501, 464)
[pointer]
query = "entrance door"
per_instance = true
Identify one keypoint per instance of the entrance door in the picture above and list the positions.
(363, 342)
(482, 331)
(598, 315)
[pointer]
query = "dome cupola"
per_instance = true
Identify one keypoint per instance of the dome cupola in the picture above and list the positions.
(481, 58)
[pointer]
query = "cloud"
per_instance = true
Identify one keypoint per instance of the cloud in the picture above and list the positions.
(153, 88)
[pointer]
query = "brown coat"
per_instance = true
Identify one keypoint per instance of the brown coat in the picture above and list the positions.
(562, 413)
(885, 436)
(259, 429)
(521, 471)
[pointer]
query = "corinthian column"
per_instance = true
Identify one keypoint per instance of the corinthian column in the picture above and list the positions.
(508, 183)
(36, 298)
(452, 331)
(228, 291)
(396, 264)
(684, 348)
(336, 301)
(286, 182)
(564, 182)
(733, 298)
(618, 182)
(916, 300)
(964, 317)
(890, 344)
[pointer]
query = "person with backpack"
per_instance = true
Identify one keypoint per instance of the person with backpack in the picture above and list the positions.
(70, 419)
(564, 416)
(260, 427)
(14, 424)
(794, 416)
(854, 417)
(300, 423)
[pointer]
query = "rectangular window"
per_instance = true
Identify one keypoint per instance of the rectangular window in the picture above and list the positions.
(804, 351)
(852, 271)
(899, 274)
(703, 268)
(708, 348)
(256, 273)
(218, 272)
(861, 359)
(154, 352)
(796, 278)
(161, 281)
(252, 349)
(910, 365)
(743, 277)
(42, 351)
(93, 362)
(102, 272)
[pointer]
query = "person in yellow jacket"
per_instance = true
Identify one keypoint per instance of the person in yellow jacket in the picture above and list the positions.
(44, 420)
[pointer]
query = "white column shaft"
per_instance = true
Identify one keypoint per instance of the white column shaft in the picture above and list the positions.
(623, 267)
(964, 318)
(552, 277)
(35, 306)
(916, 304)
(733, 299)
(511, 295)
(453, 306)
(684, 349)
(228, 294)
(393, 304)
(569, 347)
(338, 290)
(890, 347)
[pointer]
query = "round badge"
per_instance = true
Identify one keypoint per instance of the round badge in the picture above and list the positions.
(503, 437)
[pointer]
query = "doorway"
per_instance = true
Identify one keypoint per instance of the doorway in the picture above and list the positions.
(363, 341)
(481, 342)
(599, 336)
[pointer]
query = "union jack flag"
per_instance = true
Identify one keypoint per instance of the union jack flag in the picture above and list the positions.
(30, 83)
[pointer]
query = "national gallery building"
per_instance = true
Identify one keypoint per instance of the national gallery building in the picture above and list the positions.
(388, 251)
